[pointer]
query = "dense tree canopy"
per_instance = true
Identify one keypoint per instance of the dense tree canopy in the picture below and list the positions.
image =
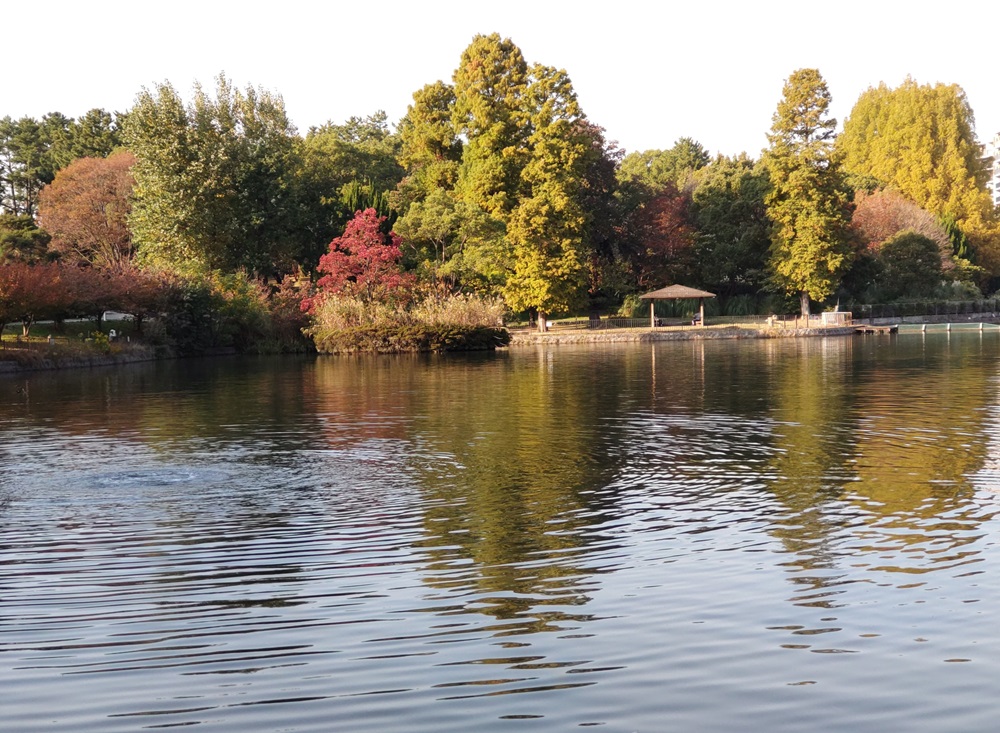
(214, 181)
(491, 84)
(911, 266)
(548, 228)
(504, 177)
(733, 230)
(881, 215)
(430, 148)
(495, 182)
(657, 169)
(21, 240)
(920, 140)
(32, 151)
(23, 165)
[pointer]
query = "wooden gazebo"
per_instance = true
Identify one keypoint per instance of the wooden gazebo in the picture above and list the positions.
(676, 292)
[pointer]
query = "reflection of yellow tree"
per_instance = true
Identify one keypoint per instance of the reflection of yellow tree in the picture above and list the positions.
(524, 444)
(813, 441)
(918, 442)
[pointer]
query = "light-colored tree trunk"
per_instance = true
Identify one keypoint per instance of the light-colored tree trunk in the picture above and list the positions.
(804, 304)
(543, 322)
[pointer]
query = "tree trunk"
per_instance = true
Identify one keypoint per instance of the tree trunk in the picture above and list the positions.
(543, 322)
(804, 303)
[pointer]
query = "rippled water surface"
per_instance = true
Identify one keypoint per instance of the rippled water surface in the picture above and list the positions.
(723, 536)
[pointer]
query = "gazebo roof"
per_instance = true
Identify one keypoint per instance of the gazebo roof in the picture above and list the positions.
(676, 292)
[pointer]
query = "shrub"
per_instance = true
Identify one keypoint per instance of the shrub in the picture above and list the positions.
(100, 342)
(386, 338)
(632, 307)
(911, 266)
(191, 321)
(244, 316)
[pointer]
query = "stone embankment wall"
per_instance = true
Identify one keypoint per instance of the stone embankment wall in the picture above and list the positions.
(530, 338)
(38, 361)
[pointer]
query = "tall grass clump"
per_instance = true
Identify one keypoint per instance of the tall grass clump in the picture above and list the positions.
(347, 324)
(459, 310)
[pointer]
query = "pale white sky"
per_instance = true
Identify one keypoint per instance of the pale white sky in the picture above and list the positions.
(649, 72)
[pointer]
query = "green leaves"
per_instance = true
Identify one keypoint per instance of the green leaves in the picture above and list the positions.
(911, 266)
(808, 203)
(548, 229)
(800, 122)
(489, 112)
(733, 228)
(657, 169)
(214, 180)
(499, 167)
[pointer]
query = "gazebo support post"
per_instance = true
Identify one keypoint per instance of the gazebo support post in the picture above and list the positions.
(652, 314)
(701, 311)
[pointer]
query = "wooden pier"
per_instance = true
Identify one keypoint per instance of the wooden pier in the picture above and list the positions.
(868, 329)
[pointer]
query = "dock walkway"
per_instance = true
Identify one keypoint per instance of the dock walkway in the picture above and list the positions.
(869, 329)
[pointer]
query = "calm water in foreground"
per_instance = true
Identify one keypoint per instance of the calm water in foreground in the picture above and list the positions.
(728, 536)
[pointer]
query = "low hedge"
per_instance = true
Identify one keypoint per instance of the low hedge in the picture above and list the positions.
(408, 338)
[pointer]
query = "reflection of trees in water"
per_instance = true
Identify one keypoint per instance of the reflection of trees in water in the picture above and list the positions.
(921, 422)
(810, 402)
(987, 478)
(226, 431)
(526, 449)
(153, 404)
(874, 443)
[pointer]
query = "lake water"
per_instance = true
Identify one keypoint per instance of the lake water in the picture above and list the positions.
(724, 536)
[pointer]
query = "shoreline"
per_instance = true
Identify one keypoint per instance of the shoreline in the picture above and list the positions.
(81, 361)
(519, 339)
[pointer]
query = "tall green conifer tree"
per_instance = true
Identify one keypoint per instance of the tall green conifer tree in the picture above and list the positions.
(808, 203)
(549, 228)
(490, 84)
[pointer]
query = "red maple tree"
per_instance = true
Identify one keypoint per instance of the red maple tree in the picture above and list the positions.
(363, 262)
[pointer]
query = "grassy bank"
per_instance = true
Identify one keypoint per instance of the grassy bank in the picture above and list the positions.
(67, 353)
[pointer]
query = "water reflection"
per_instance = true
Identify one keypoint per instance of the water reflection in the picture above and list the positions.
(572, 536)
(507, 490)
